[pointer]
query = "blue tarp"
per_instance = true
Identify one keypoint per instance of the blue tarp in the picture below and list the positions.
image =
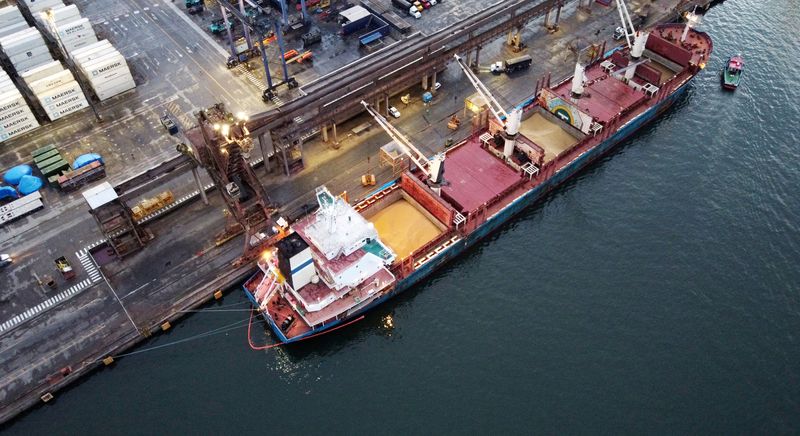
(13, 175)
(86, 159)
(7, 192)
(29, 185)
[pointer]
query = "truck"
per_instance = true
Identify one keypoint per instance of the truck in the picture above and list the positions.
(512, 65)
(63, 266)
(407, 6)
(194, 6)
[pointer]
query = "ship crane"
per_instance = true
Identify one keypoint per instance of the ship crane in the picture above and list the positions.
(509, 121)
(627, 24)
(433, 168)
(637, 46)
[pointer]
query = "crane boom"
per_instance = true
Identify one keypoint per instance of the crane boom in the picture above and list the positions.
(431, 167)
(494, 106)
(627, 26)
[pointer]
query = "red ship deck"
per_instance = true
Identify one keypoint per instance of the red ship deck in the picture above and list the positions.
(475, 176)
(603, 99)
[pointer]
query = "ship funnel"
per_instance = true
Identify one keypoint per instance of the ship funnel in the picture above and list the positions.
(577, 80)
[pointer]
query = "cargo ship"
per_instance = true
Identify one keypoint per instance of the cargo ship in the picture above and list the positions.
(343, 259)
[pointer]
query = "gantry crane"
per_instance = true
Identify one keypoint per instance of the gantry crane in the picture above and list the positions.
(226, 141)
(509, 121)
(433, 168)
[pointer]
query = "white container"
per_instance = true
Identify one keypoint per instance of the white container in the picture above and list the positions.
(41, 71)
(40, 5)
(17, 121)
(77, 27)
(113, 83)
(58, 79)
(15, 113)
(12, 28)
(20, 130)
(23, 44)
(105, 67)
(53, 96)
(79, 43)
(66, 107)
(77, 54)
(93, 53)
(10, 15)
(33, 62)
(11, 102)
(36, 51)
(63, 14)
(108, 92)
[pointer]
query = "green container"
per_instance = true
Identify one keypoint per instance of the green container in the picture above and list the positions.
(53, 180)
(55, 168)
(42, 150)
(46, 155)
(49, 161)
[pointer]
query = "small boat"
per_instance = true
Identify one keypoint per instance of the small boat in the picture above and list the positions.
(732, 74)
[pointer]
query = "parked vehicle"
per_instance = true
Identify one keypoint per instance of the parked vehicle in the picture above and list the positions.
(63, 266)
(168, 124)
(394, 112)
(194, 6)
(5, 260)
(436, 86)
(312, 37)
(218, 26)
(511, 65)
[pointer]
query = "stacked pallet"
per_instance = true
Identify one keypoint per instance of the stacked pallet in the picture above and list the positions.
(16, 117)
(105, 68)
(50, 162)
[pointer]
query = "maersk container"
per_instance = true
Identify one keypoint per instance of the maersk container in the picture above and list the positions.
(11, 102)
(16, 122)
(66, 107)
(105, 68)
(20, 130)
(77, 27)
(62, 92)
(41, 72)
(58, 79)
(13, 114)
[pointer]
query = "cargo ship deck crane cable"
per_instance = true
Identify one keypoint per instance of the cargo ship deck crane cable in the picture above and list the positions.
(433, 168)
(509, 121)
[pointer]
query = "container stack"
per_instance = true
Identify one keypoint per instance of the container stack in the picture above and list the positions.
(56, 89)
(105, 69)
(11, 21)
(37, 6)
(25, 49)
(16, 117)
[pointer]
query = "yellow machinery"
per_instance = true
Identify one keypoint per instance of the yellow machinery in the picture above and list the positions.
(150, 205)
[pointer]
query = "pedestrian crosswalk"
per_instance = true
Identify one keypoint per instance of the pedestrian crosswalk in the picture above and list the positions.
(251, 77)
(94, 276)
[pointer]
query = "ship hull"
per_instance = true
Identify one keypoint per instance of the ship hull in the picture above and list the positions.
(498, 219)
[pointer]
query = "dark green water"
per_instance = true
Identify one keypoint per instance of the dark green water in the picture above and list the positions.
(657, 292)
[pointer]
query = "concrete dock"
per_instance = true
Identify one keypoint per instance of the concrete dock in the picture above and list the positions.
(111, 306)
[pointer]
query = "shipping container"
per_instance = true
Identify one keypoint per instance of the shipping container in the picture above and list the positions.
(20, 130)
(60, 78)
(108, 92)
(40, 5)
(41, 72)
(12, 28)
(60, 93)
(77, 27)
(91, 51)
(67, 107)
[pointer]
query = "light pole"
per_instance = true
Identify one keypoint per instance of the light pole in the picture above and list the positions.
(68, 58)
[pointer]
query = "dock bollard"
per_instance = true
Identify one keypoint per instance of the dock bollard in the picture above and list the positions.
(218, 294)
